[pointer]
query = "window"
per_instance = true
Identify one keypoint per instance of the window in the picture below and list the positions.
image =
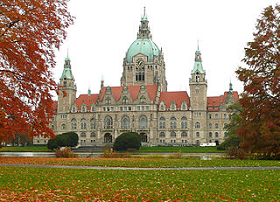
(92, 134)
(83, 135)
(184, 123)
(162, 106)
(74, 124)
(216, 134)
(52, 127)
(210, 134)
(140, 74)
(125, 100)
(210, 116)
(216, 125)
(92, 108)
(143, 122)
(108, 100)
(184, 134)
(143, 100)
(108, 122)
(173, 123)
(216, 116)
(197, 134)
(92, 124)
(74, 109)
(162, 122)
(225, 116)
(83, 124)
(173, 106)
(210, 125)
(84, 108)
(225, 124)
(63, 126)
(197, 78)
(183, 106)
(125, 123)
(225, 134)
(197, 125)
(161, 134)
(172, 134)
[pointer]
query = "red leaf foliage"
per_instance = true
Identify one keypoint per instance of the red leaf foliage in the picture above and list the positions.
(30, 30)
(261, 99)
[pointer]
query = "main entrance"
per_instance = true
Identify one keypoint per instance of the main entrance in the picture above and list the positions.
(144, 137)
(108, 138)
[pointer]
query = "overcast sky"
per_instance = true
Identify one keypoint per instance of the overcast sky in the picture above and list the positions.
(104, 30)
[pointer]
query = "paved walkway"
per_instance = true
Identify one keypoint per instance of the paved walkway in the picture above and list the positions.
(129, 168)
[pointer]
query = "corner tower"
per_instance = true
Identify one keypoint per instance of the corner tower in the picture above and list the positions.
(67, 89)
(144, 62)
(198, 85)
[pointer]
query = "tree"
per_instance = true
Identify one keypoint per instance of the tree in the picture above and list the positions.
(30, 31)
(233, 139)
(126, 141)
(52, 144)
(69, 139)
(260, 129)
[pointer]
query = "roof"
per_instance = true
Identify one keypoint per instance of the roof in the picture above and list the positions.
(87, 100)
(177, 97)
(216, 101)
(145, 46)
(133, 90)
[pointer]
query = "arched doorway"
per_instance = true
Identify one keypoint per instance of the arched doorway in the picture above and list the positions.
(144, 137)
(107, 138)
(217, 142)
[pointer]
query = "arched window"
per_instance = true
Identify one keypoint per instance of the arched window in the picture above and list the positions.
(210, 134)
(225, 135)
(124, 101)
(162, 122)
(216, 116)
(162, 106)
(173, 134)
(63, 126)
(216, 134)
(83, 124)
(184, 106)
(197, 125)
(108, 100)
(225, 116)
(216, 125)
(125, 123)
(74, 109)
(173, 106)
(92, 134)
(184, 123)
(83, 135)
(184, 134)
(143, 122)
(161, 134)
(92, 124)
(197, 134)
(173, 123)
(74, 124)
(210, 125)
(140, 74)
(108, 122)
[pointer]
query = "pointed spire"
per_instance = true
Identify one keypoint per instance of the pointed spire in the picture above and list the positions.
(67, 73)
(198, 61)
(144, 18)
(144, 29)
(198, 44)
(89, 91)
(102, 83)
(230, 87)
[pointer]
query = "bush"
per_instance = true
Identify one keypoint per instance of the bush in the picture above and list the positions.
(232, 141)
(52, 144)
(236, 153)
(69, 139)
(65, 152)
(126, 141)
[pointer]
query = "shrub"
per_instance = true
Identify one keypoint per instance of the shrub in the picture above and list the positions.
(126, 141)
(65, 152)
(52, 144)
(232, 141)
(236, 153)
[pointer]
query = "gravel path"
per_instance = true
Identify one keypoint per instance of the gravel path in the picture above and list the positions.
(129, 168)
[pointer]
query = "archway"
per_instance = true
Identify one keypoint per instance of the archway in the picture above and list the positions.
(107, 138)
(144, 137)
(217, 142)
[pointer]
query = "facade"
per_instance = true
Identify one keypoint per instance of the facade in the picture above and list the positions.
(142, 103)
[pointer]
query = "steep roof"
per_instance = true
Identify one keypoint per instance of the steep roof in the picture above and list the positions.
(87, 100)
(177, 97)
(216, 101)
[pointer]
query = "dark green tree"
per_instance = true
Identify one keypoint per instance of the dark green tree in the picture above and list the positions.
(126, 141)
(69, 139)
(52, 144)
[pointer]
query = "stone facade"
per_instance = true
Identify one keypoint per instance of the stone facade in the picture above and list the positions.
(142, 103)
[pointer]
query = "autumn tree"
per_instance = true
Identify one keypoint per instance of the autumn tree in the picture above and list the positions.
(30, 31)
(261, 98)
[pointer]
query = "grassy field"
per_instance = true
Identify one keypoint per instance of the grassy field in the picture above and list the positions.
(182, 149)
(24, 149)
(44, 184)
(139, 162)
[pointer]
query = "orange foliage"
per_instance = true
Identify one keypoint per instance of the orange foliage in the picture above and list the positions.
(30, 31)
(261, 99)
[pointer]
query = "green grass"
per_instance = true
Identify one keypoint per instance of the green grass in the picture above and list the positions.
(24, 149)
(43, 184)
(182, 149)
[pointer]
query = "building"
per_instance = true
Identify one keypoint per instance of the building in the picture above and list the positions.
(142, 103)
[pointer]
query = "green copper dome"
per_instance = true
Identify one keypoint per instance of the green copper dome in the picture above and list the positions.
(144, 46)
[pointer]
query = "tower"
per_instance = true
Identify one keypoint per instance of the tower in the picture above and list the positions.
(144, 61)
(198, 85)
(67, 89)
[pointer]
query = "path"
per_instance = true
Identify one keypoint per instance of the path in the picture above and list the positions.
(130, 168)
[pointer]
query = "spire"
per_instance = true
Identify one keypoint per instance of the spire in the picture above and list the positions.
(89, 91)
(67, 73)
(102, 82)
(230, 87)
(144, 29)
(198, 44)
(198, 61)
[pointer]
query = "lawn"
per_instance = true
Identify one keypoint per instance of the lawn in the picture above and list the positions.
(45, 184)
(182, 149)
(25, 149)
(139, 162)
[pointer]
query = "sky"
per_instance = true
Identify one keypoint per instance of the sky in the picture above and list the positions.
(104, 30)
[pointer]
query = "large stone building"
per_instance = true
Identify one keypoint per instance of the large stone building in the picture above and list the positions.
(142, 103)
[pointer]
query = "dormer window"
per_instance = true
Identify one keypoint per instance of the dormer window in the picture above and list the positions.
(84, 108)
(108, 100)
(162, 106)
(184, 106)
(173, 106)
(92, 108)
